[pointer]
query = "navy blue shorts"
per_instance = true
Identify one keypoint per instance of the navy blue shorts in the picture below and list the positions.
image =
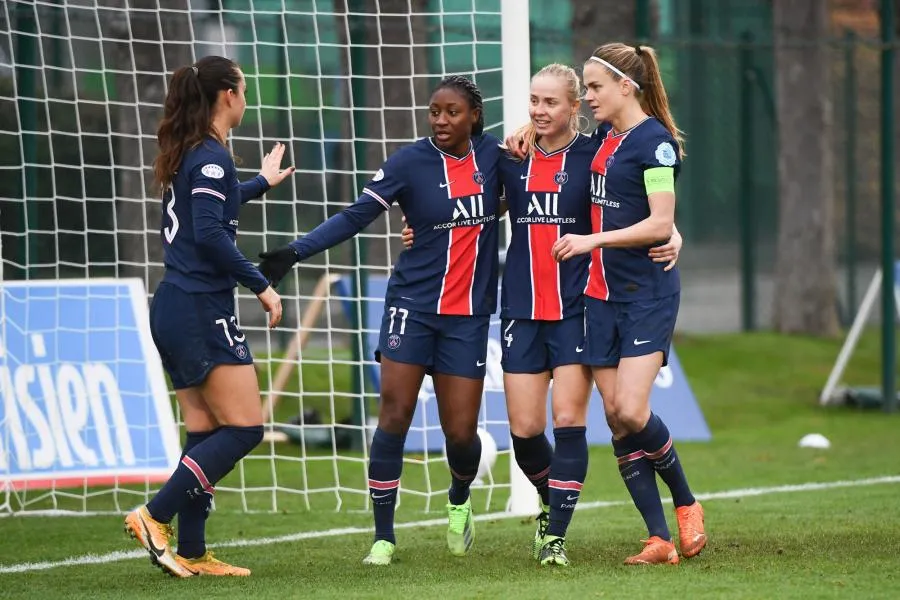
(531, 346)
(449, 344)
(195, 332)
(616, 330)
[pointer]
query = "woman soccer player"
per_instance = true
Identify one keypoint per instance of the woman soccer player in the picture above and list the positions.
(542, 307)
(632, 303)
(192, 314)
(439, 299)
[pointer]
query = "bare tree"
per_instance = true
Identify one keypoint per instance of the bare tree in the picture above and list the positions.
(805, 274)
(152, 38)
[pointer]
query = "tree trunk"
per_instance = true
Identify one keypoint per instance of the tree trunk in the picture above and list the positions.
(143, 63)
(399, 30)
(597, 22)
(805, 274)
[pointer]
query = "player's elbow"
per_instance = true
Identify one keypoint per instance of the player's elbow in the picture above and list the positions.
(661, 227)
(208, 239)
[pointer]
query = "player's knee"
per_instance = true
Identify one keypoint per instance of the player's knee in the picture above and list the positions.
(568, 418)
(633, 417)
(394, 415)
(461, 436)
(527, 425)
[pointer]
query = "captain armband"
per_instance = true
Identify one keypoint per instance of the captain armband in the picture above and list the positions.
(659, 179)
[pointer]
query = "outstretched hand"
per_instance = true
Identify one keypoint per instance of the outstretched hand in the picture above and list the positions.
(277, 263)
(271, 166)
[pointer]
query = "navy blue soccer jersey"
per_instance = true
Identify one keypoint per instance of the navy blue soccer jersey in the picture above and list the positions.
(619, 200)
(200, 221)
(452, 204)
(549, 196)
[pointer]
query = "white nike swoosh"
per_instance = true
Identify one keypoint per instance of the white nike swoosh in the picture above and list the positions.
(375, 497)
(579, 349)
(479, 363)
(570, 498)
(525, 176)
(638, 342)
(443, 185)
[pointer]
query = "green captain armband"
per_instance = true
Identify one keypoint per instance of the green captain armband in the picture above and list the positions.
(659, 179)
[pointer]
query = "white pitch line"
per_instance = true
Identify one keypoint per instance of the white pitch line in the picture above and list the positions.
(110, 557)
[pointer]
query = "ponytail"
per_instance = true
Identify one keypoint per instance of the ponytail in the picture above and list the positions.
(188, 111)
(653, 96)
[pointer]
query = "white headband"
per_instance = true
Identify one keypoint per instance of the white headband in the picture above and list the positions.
(615, 70)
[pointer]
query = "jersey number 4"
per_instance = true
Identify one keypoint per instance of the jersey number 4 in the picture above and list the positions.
(170, 231)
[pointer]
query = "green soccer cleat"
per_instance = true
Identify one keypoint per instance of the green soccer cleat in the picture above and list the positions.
(460, 528)
(553, 552)
(543, 520)
(382, 553)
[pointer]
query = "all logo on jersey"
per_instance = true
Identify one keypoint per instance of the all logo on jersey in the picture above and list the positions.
(469, 208)
(603, 160)
(544, 208)
(379, 175)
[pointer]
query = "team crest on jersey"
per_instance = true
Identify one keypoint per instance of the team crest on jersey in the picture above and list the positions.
(665, 154)
(241, 351)
(478, 177)
(393, 341)
(213, 171)
(610, 161)
(561, 177)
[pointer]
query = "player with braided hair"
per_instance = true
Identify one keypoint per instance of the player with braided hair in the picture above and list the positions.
(439, 298)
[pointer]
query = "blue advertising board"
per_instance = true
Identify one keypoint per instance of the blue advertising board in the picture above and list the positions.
(671, 398)
(83, 397)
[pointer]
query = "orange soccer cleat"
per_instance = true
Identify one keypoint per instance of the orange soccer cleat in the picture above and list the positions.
(691, 533)
(210, 565)
(657, 551)
(154, 536)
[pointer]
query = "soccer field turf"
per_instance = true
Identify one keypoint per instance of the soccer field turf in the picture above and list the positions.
(769, 536)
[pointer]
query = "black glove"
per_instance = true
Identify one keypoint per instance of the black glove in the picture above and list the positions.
(276, 263)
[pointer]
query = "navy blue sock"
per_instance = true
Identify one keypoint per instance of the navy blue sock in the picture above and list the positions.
(463, 460)
(533, 455)
(202, 467)
(192, 516)
(656, 442)
(640, 479)
(567, 473)
(385, 465)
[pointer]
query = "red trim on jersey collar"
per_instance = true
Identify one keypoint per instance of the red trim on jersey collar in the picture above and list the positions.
(563, 149)
(448, 155)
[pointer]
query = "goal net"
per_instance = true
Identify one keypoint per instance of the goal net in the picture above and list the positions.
(85, 425)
